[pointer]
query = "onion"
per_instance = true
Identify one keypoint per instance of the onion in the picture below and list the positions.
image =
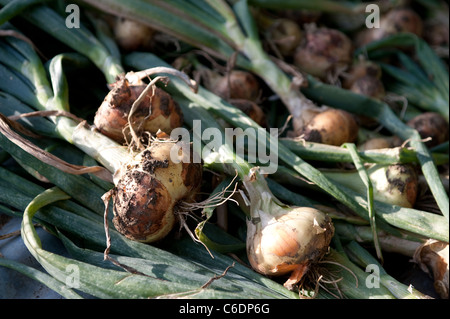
(379, 143)
(323, 52)
(432, 258)
(395, 21)
(251, 109)
(284, 240)
(148, 189)
(360, 69)
(395, 184)
(286, 35)
(236, 85)
(369, 86)
(431, 125)
(157, 111)
(333, 127)
(132, 35)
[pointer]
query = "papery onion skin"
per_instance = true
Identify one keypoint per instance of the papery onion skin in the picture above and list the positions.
(280, 244)
(158, 111)
(148, 190)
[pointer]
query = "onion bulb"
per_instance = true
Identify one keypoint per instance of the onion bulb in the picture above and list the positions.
(323, 52)
(148, 189)
(432, 258)
(430, 125)
(376, 143)
(358, 70)
(157, 111)
(333, 127)
(132, 35)
(395, 21)
(369, 86)
(252, 110)
(395, 184)
(236, 85)
(285, 34)
(281, 239)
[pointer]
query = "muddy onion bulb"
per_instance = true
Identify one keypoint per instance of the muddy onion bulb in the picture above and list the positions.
(431, 125)
(148, 189)
(158, 111)
(323, 51)
(285, 240)
(333, 127)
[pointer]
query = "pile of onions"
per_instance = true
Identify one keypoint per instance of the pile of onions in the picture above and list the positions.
(323, 52)
(395, 21)
(332, 127)
(431, 125)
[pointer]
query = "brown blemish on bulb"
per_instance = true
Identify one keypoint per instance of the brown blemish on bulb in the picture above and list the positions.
(408, 186)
